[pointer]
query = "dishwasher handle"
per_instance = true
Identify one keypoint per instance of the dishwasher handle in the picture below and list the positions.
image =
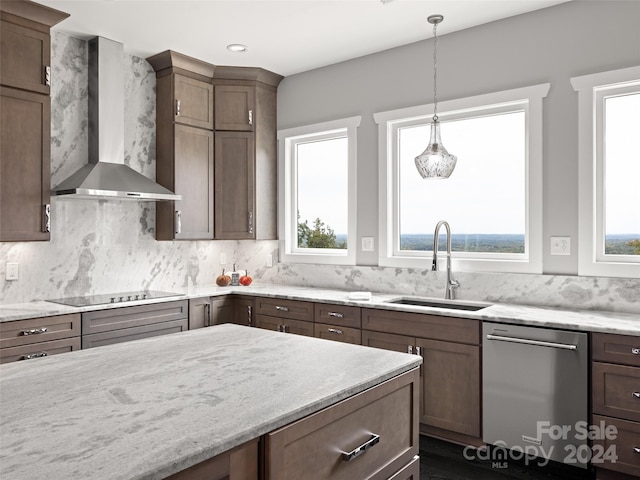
(526, 341)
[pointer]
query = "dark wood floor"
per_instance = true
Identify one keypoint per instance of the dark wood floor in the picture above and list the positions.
(445, 461)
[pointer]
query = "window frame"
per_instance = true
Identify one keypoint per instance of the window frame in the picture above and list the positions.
(527, 99)
(287, 191)
(592, 90)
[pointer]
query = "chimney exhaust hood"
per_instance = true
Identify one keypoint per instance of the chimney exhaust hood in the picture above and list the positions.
(106, 176)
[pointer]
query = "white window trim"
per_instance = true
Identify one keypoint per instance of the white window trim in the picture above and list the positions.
(532, 99)
(591, 88)
(287, 228)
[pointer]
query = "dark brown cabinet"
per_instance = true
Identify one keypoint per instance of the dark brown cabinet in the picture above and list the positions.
(290, 316)
(25, 120)
(246, 153)
(243, 310)
(337, 322)
(615, 403)
(240, 463)
(39, 337)
(184, 146)
(208, 311)
(450, 347)
(117, 325)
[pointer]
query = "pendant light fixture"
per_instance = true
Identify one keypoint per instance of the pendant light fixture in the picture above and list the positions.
(435, 161)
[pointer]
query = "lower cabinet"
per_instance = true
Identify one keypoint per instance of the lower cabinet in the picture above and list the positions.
(450, 373)
(243, 310)
(286, 325)
(289, 316)
(117, 325)
(337, 333)
(39, 337)
(372, 435)
(207, 311)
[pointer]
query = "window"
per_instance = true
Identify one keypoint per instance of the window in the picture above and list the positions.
(609, 122)
(317, 199)
(493, 199)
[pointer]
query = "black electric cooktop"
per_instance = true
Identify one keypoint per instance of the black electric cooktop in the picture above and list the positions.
(109, 298)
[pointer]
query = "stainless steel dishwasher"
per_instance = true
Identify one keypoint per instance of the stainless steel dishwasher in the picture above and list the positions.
(535, 397)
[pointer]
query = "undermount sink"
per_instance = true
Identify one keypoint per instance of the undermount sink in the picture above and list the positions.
(447, 304)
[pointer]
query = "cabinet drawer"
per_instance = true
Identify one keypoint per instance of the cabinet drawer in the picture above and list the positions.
(615, 348)
(285, 308)
(616, 390)
(313, 448)
(435, 327)
(118, 318)
(411, 471)
(134, 333)
(623, 446)
(40, 349)
(338, 315)
(286, 325)
(338, 333)
(35, 330)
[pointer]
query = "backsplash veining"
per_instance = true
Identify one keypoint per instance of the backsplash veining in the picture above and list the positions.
(102, 246)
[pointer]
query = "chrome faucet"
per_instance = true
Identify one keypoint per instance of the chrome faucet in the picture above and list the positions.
(451, 283)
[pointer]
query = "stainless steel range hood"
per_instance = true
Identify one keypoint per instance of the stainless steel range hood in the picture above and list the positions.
(106, 176)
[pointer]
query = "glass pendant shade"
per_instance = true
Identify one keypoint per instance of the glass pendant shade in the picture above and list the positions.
(435, 161)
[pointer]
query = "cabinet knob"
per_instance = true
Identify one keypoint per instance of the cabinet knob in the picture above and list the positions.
(636, 449)
(33, 355)
(335, 330)
(635, 394)
(635, 351)
(335, 314)
(282, 309)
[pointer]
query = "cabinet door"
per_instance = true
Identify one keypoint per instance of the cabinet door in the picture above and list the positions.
(234, 185)
(451, 386)
(25, 153)
(221, 310)
(194, 181)
(199, 312)
(243, 311)
(193, 102)
(235, 108)
(298, 327)
(24, 58)
(269, 323)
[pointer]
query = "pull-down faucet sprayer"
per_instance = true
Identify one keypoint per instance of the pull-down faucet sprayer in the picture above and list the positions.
(451, 283)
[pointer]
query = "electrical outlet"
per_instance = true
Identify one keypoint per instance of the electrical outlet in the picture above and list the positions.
(560, 245)
(223, 259)
(367, 244)
(269, 260)
(12, 271)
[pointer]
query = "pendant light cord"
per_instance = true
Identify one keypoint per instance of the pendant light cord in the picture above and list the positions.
(435, 73)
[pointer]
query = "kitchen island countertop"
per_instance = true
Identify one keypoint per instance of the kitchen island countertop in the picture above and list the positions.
(153, 407)
(572, 319)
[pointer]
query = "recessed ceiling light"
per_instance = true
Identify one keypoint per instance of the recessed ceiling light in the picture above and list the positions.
(236, 48)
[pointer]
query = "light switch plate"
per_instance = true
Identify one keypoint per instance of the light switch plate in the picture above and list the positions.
(269, 261)
(12, 271)
(560, 245)
(223, 259)
(367, 244)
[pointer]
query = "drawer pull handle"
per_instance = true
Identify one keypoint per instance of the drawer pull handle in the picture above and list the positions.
(336, 314)
(527, 341)
(635, 394)
(335, 330)
(34, 355)
(282, 309)
(34, 331)
(635, 351)
(410, 349)
(636, 449)
(347, 457)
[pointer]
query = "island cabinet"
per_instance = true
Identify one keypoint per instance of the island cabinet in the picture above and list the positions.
(25, 120)
(289, 316)
(450, 348)
(240, 463)
(245, 153)
(615, 402)
(39, 337)
(184, 146)
(337, 322)
(117, 325)
(372, 435)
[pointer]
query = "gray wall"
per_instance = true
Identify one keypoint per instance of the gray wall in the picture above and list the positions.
(548, 45)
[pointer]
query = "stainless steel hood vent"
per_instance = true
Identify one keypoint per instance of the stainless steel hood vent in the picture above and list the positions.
(106, 175)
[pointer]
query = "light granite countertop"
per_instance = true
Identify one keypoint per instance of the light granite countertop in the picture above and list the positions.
(574, 319)
(150, 408)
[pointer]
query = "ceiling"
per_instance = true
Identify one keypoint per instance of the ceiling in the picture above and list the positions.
(284, 36)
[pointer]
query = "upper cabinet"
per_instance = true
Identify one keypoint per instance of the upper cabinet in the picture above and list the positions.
(246, 153)
(25, 119)
(216, 146)
(184, 146)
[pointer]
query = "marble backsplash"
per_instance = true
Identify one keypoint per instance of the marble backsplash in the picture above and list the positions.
(102, 246)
